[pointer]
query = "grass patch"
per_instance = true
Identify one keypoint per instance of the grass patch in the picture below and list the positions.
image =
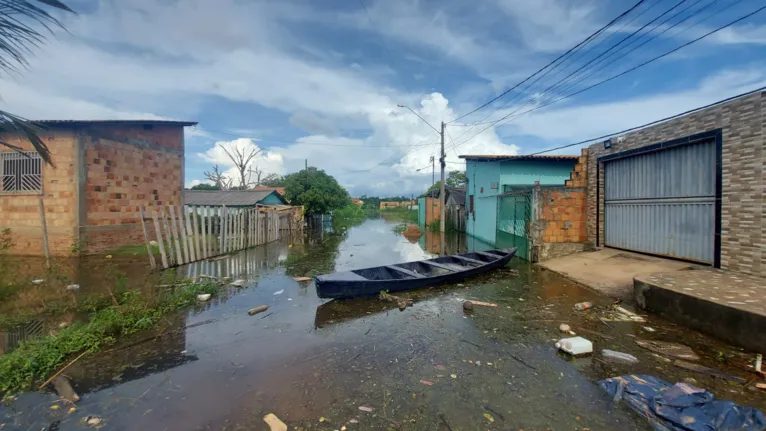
(400, 214)
(37, 359)
(400, 228)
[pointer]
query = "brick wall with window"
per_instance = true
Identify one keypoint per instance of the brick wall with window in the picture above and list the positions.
(26, 180)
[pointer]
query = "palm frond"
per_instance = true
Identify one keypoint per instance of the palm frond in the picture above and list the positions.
(18, 36)
(14, 124)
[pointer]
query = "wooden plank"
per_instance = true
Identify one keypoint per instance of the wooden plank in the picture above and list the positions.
(469, 260)
(173, 260)
(184, 236)
(149, 251)
(412, 274)
(176, 239)
(44, 225)
(224, 226)
(209, 239)
(203, 231)
(438, 265)
(160, 243)
(190, 235)
(240, 229)
(197, 238)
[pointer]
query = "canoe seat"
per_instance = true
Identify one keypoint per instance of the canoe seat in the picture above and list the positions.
(412, 274)
(440, 265)
(469, 260)
(492, 256)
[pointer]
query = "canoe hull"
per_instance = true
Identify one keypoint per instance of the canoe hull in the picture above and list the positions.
(340, 286)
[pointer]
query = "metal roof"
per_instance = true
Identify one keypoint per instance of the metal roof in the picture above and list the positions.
(86, 122)
(234, 198)
(457, 194)
(559, 157)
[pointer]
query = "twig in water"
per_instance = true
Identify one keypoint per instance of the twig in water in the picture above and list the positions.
(444, 421)
(267, 315)
(521, 361)
(62, 370)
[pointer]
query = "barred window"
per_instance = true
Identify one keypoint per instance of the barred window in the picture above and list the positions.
(21, 172)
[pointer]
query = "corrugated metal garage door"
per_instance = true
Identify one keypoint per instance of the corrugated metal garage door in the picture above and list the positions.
(663, 202)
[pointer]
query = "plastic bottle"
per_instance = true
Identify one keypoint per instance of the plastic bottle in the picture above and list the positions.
(583, 306)
(619, 356)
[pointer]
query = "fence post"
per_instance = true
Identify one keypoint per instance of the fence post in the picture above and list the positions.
(224, 223)
(159, 239)
(176, 239)
(149, 251)
(184, 236)
(168, 233)
(44, 225)
(195, 233)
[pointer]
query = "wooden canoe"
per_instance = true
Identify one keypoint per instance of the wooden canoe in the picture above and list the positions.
(410, 275)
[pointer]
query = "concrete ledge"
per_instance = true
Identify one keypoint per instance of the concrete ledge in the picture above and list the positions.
(682, 297)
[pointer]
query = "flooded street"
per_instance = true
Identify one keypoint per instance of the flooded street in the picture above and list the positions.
(314, 363)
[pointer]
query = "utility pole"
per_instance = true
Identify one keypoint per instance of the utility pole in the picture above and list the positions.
(441, 192)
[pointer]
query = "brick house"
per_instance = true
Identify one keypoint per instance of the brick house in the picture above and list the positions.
(104, 170)
(691, 187)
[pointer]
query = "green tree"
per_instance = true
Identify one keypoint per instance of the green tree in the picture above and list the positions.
(17, 38)
(272, 180)
(455, 179)
(318, 192)
(205, 186)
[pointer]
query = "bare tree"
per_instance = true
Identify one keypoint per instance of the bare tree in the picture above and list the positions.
(260, 179)
(241, 159)
(17, 38)
(218, 178)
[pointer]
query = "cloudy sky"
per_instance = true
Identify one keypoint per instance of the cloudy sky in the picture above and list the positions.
(321, 79)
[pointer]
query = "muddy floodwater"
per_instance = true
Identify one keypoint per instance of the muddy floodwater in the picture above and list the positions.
(364, 364)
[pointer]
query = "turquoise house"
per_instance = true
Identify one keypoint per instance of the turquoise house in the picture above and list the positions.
(490, 193)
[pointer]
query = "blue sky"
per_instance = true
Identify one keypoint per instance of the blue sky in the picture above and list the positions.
(320, 80)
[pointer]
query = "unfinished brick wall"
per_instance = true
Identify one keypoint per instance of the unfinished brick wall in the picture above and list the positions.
(743, 228)
(20, 212)
(559, 224)
(120, 178)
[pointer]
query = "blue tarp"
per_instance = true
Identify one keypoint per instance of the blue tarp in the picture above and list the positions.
(681, 407)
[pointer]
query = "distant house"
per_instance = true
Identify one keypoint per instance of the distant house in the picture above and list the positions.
(104, 170)
(494, 181)
(233, 198)
(455, 208)
(280, 190)
(357, 201)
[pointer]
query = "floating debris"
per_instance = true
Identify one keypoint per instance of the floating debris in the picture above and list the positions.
(258, 309)
(582, 306)
(670, 349)
(564, 327)
(649, 329)
(239, 283)
(203, 297)
(454, 376)
(94, 421)
(302, 278)
(64, 389)
(472, 302)
(427, 383)
(279, 292)
(709, 371)
(38, 281)
(73, 287)
(619, 356)
(575, 346)
(489, 417)
(440, 367)
(366, 409)
(274, 423)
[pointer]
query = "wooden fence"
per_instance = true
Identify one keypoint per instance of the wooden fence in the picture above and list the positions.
(193, 233)
(456, 217)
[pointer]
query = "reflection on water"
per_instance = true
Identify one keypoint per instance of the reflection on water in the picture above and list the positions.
(216, 367)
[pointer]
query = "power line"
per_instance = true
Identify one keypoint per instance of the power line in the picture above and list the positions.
(618, 75)
(582, 43)
(652, 123)
(299, 142)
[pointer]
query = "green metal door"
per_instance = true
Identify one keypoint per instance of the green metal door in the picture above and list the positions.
(514, 212)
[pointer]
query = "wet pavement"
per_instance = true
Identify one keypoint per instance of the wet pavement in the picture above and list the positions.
(315, 363)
